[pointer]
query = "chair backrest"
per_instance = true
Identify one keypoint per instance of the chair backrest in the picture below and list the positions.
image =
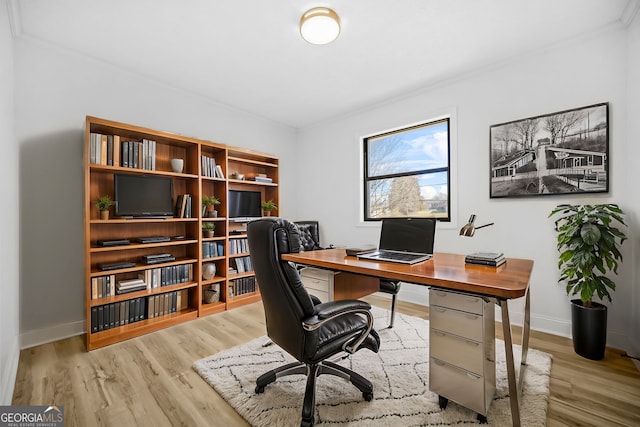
(285, 299)
(309, 235)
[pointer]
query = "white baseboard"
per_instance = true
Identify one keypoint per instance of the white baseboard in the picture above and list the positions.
(9, 373)
(46, 335)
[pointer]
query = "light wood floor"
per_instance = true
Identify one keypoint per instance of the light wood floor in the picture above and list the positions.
(149, 381)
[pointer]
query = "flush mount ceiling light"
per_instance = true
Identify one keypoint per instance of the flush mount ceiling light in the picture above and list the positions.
(320, 25)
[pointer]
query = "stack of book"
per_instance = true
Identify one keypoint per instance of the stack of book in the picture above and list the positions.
(260, 178)
(132, 285)
(493, 259)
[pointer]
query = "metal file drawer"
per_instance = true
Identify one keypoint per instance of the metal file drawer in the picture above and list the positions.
(458, 301)
(459, 351)
(461, 386)
(460, 323)
(318, 282)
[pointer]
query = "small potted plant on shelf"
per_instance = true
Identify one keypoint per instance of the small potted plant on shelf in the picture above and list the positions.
(268, 206)
(588, 244)
(208, 228)
(103, 204)
(210, 203)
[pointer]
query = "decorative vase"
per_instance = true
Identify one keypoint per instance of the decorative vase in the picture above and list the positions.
(589, 329)
(177, 165)
(104, 214)
(208, 270)
(211, 212)
(211, 294)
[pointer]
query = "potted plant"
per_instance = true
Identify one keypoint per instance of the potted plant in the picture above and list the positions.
(103, 204)
(210, 202)
(268, 206)
(588, 242)
(208, 229)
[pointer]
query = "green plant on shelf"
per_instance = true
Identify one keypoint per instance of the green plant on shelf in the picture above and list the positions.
(104, 203)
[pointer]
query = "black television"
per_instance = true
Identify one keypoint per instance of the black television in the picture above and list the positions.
(143, 196)
(244, 205)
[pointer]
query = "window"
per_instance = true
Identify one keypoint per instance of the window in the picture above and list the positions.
(407, 172)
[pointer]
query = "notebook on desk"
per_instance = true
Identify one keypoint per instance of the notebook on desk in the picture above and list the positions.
(404, 240)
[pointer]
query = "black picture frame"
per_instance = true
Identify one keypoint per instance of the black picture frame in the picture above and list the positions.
(558, 153)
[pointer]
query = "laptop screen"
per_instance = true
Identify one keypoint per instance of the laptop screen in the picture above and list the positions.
(408, 234)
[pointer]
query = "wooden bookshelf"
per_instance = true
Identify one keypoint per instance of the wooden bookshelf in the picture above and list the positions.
(183, 292)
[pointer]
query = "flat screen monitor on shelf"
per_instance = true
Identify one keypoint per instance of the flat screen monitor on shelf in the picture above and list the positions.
(142, 196)
(244, 205)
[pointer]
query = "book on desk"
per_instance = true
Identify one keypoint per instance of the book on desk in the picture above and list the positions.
(493, 259)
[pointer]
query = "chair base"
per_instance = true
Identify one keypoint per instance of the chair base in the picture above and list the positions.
(312, 372)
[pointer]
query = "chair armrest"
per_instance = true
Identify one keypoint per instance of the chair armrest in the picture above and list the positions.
(333, 308)
(328, 311)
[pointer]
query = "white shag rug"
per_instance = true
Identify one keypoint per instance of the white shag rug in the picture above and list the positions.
(399, 373)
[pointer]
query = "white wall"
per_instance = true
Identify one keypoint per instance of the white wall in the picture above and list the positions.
(575, 74)
(9, 285)
(633, 93)
(55, 90)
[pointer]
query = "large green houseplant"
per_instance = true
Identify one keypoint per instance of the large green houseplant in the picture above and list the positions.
(588, 241)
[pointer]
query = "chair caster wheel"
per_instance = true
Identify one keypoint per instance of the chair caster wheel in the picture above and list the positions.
(368, 396)
(307, 423)
(443, 401)
(482, 419)
(259, 389)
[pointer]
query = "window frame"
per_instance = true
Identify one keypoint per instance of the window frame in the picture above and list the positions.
(451, 158)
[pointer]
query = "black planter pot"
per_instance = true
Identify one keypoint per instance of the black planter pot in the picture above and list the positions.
(589, 327)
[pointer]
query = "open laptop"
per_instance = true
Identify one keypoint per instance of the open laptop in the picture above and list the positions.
(404, 240)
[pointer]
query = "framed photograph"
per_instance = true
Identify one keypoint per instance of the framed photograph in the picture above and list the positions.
(559, 153)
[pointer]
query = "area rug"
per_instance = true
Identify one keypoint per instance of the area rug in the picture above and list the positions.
(399, 373)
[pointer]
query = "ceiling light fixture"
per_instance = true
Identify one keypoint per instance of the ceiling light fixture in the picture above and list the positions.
(319, 25)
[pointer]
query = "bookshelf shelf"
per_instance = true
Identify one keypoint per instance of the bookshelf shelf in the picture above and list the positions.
(104, 148)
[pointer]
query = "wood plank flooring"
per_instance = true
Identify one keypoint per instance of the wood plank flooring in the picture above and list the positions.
(149, 381)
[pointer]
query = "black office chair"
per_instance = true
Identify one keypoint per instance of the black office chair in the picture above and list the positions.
(391, 287)
(299, 323)
(309, 232)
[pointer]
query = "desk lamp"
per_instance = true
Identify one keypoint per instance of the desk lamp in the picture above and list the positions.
(469, 229)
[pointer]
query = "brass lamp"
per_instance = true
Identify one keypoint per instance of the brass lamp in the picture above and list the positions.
(469, 229)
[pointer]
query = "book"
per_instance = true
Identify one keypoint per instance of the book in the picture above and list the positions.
(493, 259)
(485, 255)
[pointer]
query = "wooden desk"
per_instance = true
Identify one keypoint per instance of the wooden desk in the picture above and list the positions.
(449, 271)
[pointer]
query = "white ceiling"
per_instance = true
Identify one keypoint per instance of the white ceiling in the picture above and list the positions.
(249, 55)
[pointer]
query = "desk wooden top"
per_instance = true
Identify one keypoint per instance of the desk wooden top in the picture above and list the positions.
(510, 280)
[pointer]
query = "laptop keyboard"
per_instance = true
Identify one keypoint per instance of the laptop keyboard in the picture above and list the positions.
(399, 256)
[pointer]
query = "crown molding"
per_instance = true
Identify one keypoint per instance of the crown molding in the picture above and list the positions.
(13, 7)
(630, 12)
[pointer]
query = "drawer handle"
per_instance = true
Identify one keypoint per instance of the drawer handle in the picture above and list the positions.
(473, 376)
(471, 316)
(439, 309)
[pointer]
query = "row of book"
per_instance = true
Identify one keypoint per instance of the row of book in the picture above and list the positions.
(109, 150)
(244, 285)
(238, 246)
(183, 206)
(167, 276)
(493, 259)
(104, 149)
(212, 249)
(108, 286)
(122, 313)
(210, 168)
(243, 264)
